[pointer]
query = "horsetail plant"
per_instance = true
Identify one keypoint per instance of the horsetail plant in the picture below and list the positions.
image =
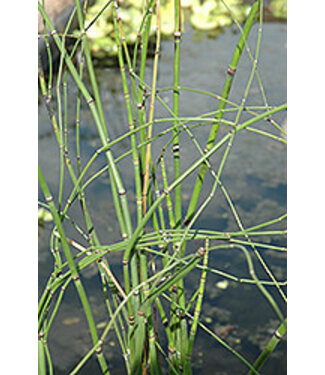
(152, 312)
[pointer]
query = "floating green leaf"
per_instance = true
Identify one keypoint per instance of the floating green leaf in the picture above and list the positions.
(44, 215)
(222, 284)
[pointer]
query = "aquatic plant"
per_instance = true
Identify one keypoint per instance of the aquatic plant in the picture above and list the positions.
(201, 14)
(154, 315)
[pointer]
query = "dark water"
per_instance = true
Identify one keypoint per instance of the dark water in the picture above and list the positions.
(255, 177)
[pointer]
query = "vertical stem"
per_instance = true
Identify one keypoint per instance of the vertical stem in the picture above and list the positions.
(81, 67)
(197, 309)
(50, 62)
(120, 39)
(41, 358)
(132, 304)
(168, 198)
(151, 113)
(140, 97)
(118, 191)
(176, 93)
(90, 67)
(181, 334)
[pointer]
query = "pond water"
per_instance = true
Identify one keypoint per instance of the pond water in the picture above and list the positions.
(255, 176)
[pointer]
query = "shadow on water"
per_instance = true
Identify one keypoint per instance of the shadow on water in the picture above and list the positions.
(255, 176)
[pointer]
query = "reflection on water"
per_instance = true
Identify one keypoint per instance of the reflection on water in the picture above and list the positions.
(255, 177)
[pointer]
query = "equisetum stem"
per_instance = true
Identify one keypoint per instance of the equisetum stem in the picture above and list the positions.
(176, 94)
(270, 347)
(197, 309)
(151, 114)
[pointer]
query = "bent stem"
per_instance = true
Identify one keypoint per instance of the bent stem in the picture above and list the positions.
(74, 273)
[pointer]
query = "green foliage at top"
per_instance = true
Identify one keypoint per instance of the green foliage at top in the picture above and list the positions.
(279, 8)
(203, 15)
(213, 14)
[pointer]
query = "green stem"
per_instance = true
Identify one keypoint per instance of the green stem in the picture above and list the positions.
(41, 358)
(270, 347)
(176, 94)
(197, 309)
